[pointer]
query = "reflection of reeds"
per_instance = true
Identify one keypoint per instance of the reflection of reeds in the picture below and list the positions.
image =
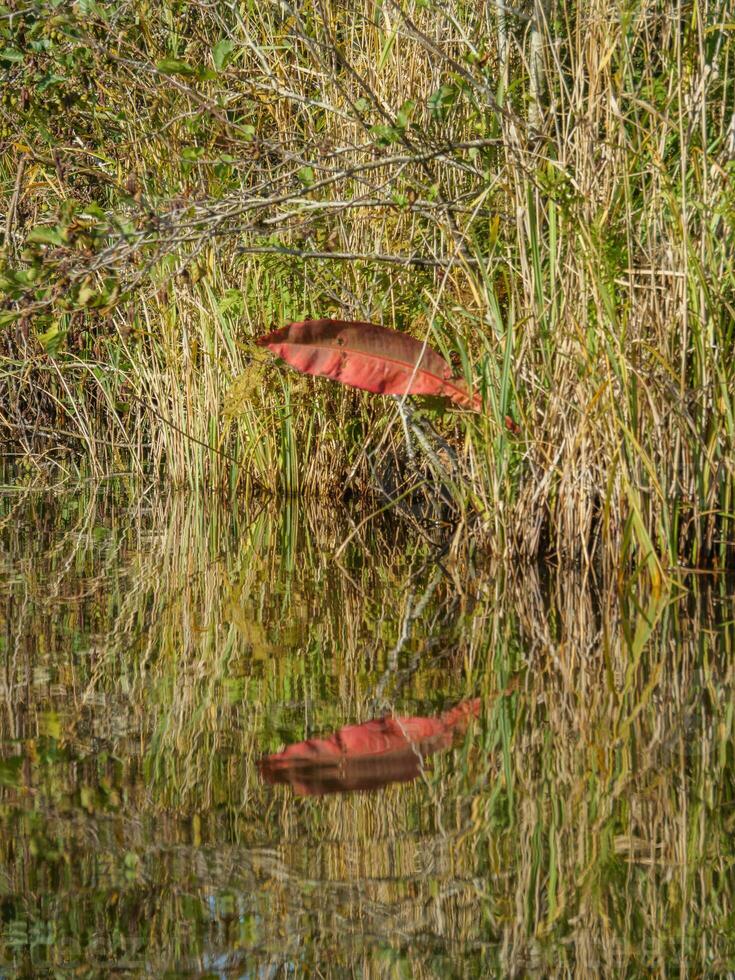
(545, 194)
(152, 653)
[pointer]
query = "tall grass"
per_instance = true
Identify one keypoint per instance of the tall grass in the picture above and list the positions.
(560, 176)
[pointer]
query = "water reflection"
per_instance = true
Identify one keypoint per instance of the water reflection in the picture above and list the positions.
(367, 756)
(153, 649)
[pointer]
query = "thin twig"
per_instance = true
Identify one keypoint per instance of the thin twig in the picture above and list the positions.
(14, 200)
(409, 260)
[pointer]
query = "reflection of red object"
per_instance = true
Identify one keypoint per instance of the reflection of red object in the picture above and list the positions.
(366, 756)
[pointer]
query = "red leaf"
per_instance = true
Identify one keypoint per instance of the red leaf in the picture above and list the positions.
(365, 355)
(366, 756)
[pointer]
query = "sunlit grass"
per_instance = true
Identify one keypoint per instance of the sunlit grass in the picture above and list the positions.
(568, 183)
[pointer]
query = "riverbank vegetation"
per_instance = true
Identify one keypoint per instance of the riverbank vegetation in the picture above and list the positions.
(543, 192)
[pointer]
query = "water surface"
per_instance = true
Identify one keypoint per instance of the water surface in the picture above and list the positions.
(154, 649)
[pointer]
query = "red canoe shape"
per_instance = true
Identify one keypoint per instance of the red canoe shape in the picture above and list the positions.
(368, 356)
(366, 756)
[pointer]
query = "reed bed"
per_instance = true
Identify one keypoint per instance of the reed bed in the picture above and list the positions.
(544, 192)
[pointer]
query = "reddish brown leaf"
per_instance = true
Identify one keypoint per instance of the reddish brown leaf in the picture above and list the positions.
(366, 756)
(368, 356)
(375, 358)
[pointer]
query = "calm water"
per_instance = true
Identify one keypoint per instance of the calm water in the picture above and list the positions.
(153, 653)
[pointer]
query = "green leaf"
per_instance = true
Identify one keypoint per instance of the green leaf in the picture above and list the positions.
(48, 81)
(11, 55)
(405, 112)
(108, 296)
(385, 135)
(51, 339)
(92, 210)
(88, 8)
(306, 176)
(45, 235)
(232, 300)
(191, 153)
(8, 316)
(174, 66)
(222, 53)
(442, 100)
(86, 294)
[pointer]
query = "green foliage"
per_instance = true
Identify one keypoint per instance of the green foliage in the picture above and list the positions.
(441, 102)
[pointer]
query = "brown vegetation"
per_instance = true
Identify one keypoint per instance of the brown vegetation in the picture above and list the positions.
(543, 192)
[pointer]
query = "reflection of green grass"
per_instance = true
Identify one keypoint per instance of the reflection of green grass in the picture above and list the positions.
(584, 824)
